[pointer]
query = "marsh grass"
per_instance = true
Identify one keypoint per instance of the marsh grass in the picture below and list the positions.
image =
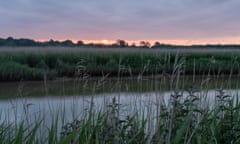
(34, 64)
(181, 120)
(185, 118)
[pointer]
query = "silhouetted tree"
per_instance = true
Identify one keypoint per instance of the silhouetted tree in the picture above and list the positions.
(67, 43)
(145, 44)
(25, 42)
(52, 43)
(122, 43)
(80, 43)
(157, 43)
(133, 45)
(10, 42)
(2, 42)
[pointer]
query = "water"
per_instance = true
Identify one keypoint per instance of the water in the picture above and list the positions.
(74, 106)
(69, 100)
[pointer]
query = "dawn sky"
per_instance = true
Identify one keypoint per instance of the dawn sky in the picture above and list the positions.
(168, 21)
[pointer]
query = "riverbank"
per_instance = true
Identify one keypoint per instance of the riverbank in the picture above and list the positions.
(100, 85)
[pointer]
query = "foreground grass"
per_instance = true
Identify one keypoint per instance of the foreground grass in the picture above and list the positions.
(39, 64)
(184, 119)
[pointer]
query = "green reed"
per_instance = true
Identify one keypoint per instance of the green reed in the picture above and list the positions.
(187, 119)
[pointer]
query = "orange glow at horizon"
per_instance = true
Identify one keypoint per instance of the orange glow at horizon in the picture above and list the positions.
(106, 42)
(228, 40)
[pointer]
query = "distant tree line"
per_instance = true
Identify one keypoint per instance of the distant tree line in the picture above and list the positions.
(12, 42)
(23, 42)
(29, 42)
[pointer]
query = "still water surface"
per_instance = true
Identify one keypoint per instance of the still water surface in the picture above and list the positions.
(70, 99)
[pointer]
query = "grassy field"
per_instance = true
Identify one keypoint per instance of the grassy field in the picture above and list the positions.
(39, 63)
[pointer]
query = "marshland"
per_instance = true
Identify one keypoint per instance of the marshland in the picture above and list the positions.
(119, 72)
(119, 95)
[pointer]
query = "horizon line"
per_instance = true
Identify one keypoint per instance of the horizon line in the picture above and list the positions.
(174, 42)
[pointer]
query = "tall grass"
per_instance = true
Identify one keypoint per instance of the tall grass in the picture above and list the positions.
(33, 65)
(184, 118)
(181, 120)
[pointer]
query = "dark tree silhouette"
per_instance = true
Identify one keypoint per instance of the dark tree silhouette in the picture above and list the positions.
(67, 43)
(122, 43)
(80, 43)
(157, 43)
(145, 44)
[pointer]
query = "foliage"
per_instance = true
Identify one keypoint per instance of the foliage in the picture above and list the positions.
(182, 120)
(33, 65)
(188, 118)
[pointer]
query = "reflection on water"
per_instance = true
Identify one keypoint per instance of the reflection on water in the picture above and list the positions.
(63, 87)
(68, 100)
(72, 107)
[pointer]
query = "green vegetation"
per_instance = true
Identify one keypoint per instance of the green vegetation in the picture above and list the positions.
(185, 118)
(40, 64)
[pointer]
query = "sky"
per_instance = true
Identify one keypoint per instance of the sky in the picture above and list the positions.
(167, 21)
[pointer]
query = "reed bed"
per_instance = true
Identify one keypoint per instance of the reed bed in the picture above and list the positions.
(51, 63)
(187, 118)
(184, 118)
